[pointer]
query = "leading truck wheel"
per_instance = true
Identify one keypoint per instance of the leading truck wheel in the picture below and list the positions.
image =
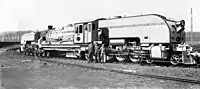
(48, 54)
(174, 59)
(109, 58)
(38, 54)
(43, 54)
(86, 56)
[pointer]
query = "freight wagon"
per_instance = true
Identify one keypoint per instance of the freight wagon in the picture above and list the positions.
(11, 37)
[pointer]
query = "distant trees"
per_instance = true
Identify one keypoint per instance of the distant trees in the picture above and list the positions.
(12, 36)
(195, 35)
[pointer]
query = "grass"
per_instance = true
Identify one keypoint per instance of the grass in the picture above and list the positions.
(195, 45)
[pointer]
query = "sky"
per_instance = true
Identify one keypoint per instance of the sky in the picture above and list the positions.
(38, 14)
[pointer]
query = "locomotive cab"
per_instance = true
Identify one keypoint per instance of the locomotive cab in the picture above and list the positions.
(176, 31)
(78, 36)
(85, 32)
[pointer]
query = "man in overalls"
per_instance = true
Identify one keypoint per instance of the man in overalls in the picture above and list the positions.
(103, 54)
(97, 52)
(196, 57)
(90, 52)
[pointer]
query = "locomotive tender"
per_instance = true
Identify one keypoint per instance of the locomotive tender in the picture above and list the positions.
(149, 38)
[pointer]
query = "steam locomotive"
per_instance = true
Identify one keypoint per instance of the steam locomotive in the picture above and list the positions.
(149, 38)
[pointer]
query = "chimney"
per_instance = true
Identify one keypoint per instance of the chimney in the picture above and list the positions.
(117, 16)
(50, 27)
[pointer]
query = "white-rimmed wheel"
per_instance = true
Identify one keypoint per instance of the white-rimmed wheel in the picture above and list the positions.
(109, 57)
(120, 58)
(86, 56)
(174, 60)
(38, 54)
(136, 60)
(43, 54)
(149, 61)
(48, 54)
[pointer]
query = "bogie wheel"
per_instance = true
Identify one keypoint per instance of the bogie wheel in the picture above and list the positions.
(120, 58)
(25, 53)
(174, 59)
(48, 54)
(136, 60)
(29, 53)
(86, 56)
(109, 58)
(38, 54)
(35, 54)
(82, 56)
(149, 61)
(43, 54)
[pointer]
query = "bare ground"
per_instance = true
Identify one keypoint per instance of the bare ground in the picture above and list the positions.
(19, 72)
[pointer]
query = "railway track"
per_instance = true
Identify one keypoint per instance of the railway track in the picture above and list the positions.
(123, 72)
(128, 72)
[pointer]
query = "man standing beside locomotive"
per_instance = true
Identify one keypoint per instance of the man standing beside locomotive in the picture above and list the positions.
(97, 52)
(90, 52)
(103, 53)
(196, 57)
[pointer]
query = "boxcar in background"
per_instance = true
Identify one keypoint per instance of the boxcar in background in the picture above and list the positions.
(11, 37)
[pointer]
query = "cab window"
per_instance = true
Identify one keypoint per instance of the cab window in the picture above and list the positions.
(80, 28)
(76, 29)
(85, 27)
(90, 27)
(93, 27)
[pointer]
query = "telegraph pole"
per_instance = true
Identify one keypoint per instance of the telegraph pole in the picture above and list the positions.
(191, 26)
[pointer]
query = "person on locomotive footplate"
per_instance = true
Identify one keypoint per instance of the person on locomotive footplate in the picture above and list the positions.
(91, 49)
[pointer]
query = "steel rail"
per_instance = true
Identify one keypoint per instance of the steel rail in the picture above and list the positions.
(124, 72)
